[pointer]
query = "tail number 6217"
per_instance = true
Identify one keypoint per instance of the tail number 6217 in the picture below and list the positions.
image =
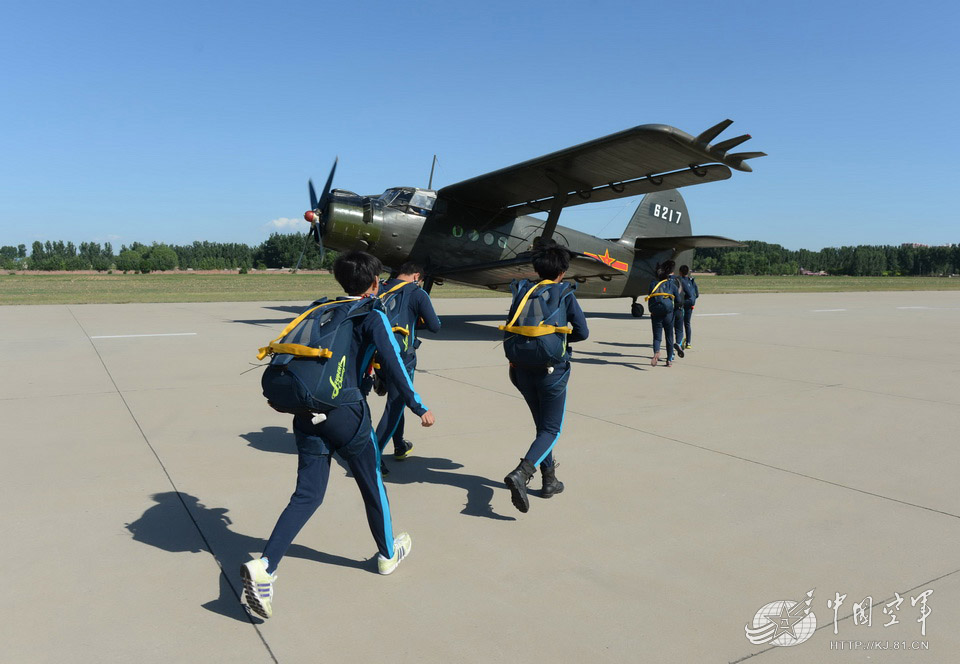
(667, 214)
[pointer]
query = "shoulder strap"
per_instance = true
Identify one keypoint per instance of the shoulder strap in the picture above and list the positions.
(654, 293)
(533, 330)
(274, 347)
(395, 288)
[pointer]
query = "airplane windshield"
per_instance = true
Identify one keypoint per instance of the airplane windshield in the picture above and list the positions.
(409, 200)
(423, 200)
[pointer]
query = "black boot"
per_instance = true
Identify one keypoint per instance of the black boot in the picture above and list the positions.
(517, 483)
(551, 484)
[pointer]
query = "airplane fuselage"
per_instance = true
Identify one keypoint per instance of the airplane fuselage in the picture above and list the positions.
(449, 236)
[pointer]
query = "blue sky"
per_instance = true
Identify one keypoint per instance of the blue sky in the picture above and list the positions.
(180, 121)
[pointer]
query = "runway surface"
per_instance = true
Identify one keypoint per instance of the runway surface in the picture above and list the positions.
(806, 442)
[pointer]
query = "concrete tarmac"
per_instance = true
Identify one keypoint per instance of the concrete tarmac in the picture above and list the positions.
(806, 442)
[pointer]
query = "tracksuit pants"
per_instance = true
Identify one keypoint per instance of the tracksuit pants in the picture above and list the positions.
(546, 396)
(347, 432)
(391, 422)
(679, 324)
(663, 327)
(687, 315)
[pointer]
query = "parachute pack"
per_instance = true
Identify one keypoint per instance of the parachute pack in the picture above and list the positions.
(308, 361)
(395, 304)
(536, 334)
(659, 302)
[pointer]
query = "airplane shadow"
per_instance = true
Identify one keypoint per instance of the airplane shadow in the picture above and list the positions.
(163, 526)
(467, 327)
(414, 470)
(592, 360)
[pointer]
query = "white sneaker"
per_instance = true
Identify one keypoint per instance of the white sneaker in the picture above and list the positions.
(258, 587)
(401, 549)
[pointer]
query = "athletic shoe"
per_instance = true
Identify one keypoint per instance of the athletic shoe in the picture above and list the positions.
(402, 546)
(402, 451)
(687, 346)
(655, 359)
(679, 350)
(669, 363)
(258, 587)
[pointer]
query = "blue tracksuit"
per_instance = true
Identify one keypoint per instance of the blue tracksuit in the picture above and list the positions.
(419, 309)
(679, 310)
(663, 323)
(348, 432)
(690, 294)
(546, 393)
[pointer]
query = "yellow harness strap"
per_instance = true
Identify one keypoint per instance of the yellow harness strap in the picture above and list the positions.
(532, 330)
(653, 293)
(396, 288)
(296, 349)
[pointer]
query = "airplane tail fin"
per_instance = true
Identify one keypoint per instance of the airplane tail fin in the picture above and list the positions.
(660, 214)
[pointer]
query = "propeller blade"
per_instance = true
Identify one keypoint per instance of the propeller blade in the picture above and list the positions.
(313, 195)
(326, 188)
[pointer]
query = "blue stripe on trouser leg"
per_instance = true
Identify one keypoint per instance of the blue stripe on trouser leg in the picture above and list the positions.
(365, 466)
(546, 396)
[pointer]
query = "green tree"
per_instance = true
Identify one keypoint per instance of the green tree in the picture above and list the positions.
(129, 260)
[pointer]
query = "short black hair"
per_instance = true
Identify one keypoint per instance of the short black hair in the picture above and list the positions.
(665, 269)
(410, 268)
(550, 260)
(355, 271)
(684, 270)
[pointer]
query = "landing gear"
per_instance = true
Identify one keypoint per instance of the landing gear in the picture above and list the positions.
(636, 309)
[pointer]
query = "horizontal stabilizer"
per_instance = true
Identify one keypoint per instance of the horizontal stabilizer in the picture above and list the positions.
(684, 242)
(501, 273)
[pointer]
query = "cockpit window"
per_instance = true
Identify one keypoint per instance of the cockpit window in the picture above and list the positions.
(423, 200)
(413, 201)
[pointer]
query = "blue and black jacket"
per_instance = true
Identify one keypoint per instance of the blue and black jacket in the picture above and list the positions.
(375, 335)
(418, 311)
(690, 291)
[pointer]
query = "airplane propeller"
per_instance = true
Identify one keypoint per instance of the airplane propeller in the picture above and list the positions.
(317, 212)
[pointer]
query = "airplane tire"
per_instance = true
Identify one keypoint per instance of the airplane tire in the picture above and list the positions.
(637, 310)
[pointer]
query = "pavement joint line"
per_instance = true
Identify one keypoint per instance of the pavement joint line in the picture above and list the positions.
(173, 484)
(900, 358)
(840, 385)
(130, 336)
(825, 310)
(726, 454)
(733, 314)
(881, 602)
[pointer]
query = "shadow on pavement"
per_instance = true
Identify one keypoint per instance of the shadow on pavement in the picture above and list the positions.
(164, 527)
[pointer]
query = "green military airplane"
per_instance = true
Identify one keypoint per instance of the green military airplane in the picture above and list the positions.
(480, 232)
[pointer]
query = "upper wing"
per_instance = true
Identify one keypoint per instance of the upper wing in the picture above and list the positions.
(636, 161)
(501, 273)
(683, 242)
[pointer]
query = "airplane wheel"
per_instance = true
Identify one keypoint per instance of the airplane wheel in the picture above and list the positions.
(636, 310)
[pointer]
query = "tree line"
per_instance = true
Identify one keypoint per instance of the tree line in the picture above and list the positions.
(860, 261)
(280, 250)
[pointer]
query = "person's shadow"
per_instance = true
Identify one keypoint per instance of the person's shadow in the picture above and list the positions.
(434, 470)
(208, 529)
(413, 470)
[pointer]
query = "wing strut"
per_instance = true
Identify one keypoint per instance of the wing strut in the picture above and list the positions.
(564, 185)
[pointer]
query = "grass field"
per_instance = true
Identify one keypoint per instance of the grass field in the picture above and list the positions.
(62, 288)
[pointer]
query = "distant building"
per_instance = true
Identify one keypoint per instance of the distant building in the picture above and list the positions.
(913, 245)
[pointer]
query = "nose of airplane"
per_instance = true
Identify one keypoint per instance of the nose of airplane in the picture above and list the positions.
(316, 215)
